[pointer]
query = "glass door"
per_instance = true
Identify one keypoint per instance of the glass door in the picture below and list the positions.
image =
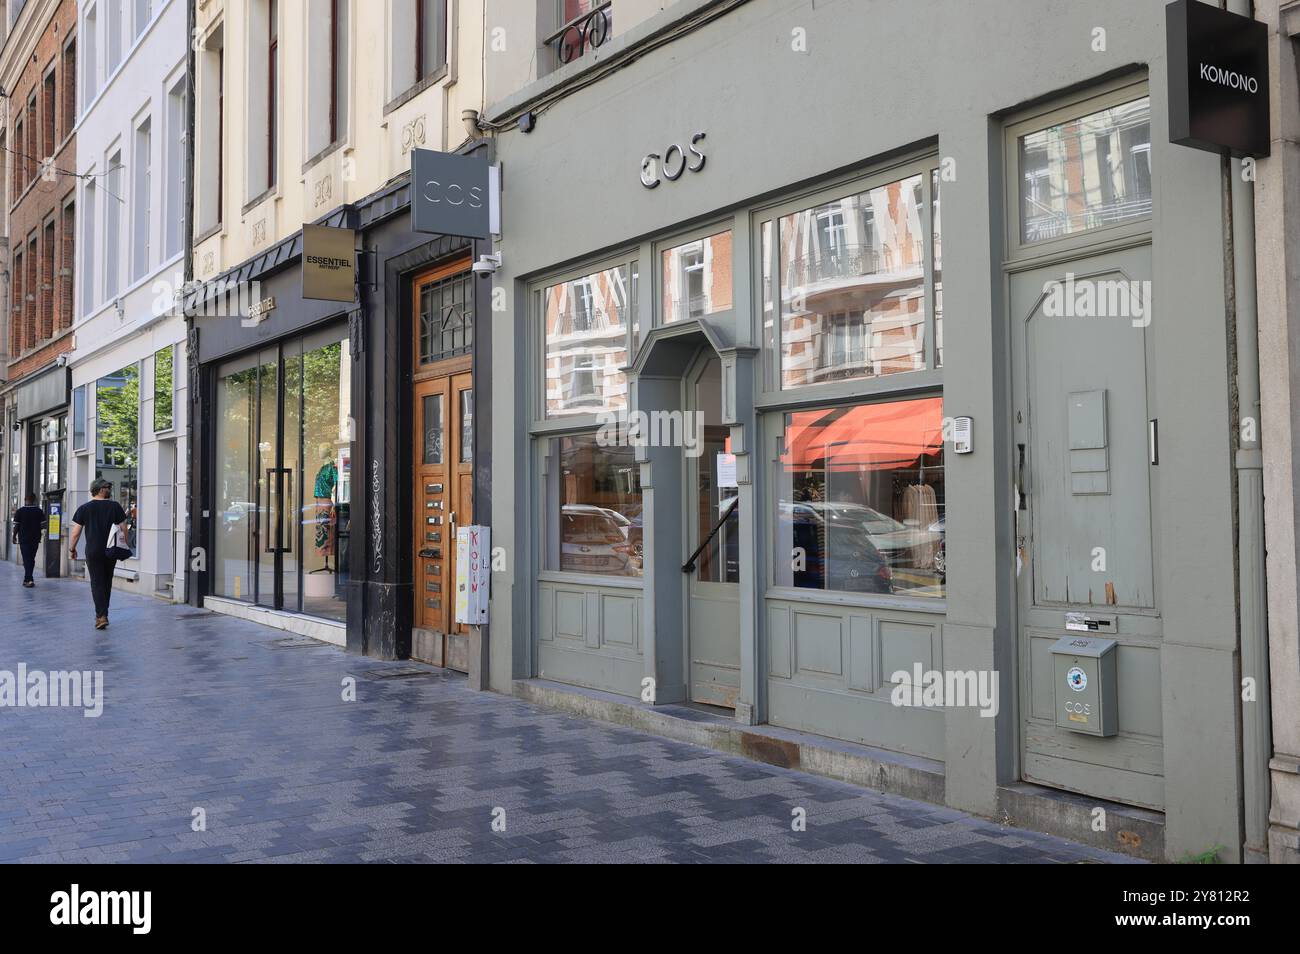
(282, 490)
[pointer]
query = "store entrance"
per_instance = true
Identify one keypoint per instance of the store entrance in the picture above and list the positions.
(713, 537)
(283, 484)
(443, 456)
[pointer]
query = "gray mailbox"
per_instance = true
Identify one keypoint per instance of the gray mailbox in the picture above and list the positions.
(1084, 681)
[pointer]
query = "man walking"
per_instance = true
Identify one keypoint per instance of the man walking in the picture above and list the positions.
(96, 517)
(28, 520)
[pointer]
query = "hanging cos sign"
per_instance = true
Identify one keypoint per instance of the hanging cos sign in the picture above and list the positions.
(1218, 79)
(673, 163)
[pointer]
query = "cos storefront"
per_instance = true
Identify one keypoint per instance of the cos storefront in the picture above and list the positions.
(732, 475)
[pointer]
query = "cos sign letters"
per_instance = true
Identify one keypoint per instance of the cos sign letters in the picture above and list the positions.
(454, 195)
(1218, 79)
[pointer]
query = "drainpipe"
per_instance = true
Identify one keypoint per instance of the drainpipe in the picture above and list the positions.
(1256, 734)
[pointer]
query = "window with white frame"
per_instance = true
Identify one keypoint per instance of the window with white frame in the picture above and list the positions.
(143, 14)
(114, 27)
(89, 206)
(141, 204)
(112, 225)
(90, 53)
(177, 173)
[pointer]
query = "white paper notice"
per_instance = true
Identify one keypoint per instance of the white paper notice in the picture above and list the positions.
(727, 470)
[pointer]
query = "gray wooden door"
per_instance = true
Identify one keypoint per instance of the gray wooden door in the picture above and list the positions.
(713, 591)
(1085, 513)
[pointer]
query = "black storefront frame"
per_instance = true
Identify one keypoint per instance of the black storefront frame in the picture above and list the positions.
(380, 593)
(294, 500)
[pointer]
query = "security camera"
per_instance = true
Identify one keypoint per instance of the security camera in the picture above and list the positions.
(487, 264)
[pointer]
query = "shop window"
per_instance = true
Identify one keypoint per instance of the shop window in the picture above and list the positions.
(696, 278)
(860, 499)
(851, 275)
(117, 438)
(1090, 172)
(594, 509)
(447, 318)
(45, 454)
(79, 418)
(283, 479)
(586, 327)
(163, 388)
(937, 267)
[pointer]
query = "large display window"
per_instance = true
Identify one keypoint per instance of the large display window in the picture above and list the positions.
(859, 499)
(283, 463)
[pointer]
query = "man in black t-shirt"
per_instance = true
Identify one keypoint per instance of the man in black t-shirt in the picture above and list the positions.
(96, 518)
(28, 521)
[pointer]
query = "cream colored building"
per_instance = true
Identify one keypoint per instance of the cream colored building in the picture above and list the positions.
(295, 117)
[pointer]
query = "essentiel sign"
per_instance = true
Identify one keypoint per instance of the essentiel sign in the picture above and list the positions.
(329, 263)
(1218, 79)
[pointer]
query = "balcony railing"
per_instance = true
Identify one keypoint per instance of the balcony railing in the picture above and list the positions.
(849, 261)
(590, 29)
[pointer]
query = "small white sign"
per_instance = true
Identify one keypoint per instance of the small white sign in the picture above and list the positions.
(473, 572)
(727, 471)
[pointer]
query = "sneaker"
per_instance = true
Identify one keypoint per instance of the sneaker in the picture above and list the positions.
(28, 583)
(101, 622)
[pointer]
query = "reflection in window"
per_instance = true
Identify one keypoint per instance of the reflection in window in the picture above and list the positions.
(326, 478)
(595, 524)
(853, 286)
(163, 388)
(433, 429)
(860, 499)
(466, 425)
(234, 518)
(937, 240)
(117, 439)
(586, 323)
(1087, 173)
(697, 278)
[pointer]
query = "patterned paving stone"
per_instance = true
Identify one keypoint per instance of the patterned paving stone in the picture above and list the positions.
(200, 711)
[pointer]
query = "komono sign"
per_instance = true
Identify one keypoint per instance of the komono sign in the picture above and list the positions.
(1218, 79)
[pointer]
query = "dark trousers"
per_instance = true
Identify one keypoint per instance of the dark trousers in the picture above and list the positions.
(28, 551)
(101, 582)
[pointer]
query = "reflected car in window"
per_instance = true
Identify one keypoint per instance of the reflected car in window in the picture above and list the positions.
(592, 541)
(832, 556)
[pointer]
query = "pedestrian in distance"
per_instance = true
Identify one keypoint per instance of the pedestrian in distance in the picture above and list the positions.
(97, 518)
(28, 520)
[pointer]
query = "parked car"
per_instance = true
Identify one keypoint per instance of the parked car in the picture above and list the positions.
(592, 541)
(832, 555)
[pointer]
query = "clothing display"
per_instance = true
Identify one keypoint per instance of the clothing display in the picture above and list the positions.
(323, 490)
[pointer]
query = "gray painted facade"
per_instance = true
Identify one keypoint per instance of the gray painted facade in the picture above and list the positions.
(803, 105)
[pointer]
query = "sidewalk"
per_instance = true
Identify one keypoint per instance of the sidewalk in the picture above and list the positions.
(205, 712)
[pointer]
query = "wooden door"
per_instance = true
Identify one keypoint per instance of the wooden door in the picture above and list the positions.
(443, 452)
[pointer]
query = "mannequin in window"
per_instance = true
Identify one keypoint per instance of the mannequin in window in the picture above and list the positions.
(323, 492)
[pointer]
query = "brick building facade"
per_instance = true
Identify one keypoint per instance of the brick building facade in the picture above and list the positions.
(38, 77)
(42, 149)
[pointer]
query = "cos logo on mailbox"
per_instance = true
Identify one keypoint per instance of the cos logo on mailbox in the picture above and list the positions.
(453, 195)
(673, 163)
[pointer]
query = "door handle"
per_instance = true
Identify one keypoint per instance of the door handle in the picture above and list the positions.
(451, 520)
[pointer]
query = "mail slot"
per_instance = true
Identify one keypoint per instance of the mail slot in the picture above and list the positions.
(1085, 689)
